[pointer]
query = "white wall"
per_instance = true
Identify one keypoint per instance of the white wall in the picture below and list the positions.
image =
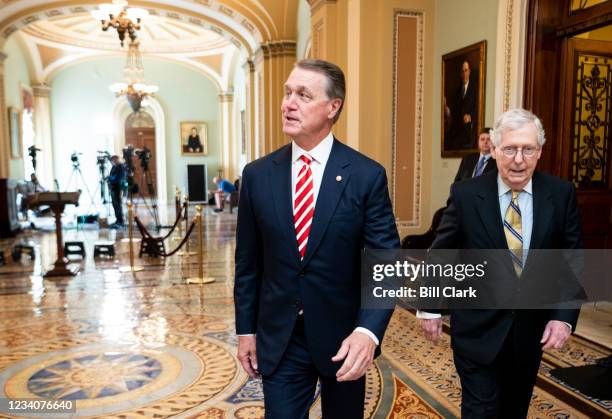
(15, 74)
(457, 25)
(81, 109)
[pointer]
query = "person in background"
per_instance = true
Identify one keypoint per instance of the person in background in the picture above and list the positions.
(224, 189)
(475, 164)
(116, 179)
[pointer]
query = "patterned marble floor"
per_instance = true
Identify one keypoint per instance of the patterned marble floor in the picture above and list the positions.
(147, 344)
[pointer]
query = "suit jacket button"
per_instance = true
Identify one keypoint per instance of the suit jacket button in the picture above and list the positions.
(297, 303)
(302, 273)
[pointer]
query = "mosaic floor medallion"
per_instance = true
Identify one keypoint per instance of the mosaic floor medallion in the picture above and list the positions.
(109, 379)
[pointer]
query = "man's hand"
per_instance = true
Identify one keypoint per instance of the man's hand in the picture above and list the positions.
(556, 333)
(431, 328)
(467, 118)
(357, 350)
(247, 355)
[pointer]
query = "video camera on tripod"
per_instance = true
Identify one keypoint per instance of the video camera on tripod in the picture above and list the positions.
(144, 155)
(102, 158)
(74, 157)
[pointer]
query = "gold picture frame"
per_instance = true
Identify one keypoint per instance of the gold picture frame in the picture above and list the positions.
(463, 104)
(194, 144)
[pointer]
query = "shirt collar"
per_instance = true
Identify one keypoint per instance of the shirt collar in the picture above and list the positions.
(486, 156)
(320, 153)
(502, 188)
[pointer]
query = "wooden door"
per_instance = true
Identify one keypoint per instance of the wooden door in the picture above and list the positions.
(139, 138)
(585, 127)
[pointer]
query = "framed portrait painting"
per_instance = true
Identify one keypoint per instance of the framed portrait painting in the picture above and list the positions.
(194, 139)
(463, 99)
(14, 115)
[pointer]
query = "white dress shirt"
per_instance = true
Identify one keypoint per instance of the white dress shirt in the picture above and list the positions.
(320, 155)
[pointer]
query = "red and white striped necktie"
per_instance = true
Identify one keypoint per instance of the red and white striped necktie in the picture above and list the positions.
(303, 205)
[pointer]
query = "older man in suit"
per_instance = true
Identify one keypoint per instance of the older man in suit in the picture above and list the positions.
(497, 352)
(475, 164)
(306, 212)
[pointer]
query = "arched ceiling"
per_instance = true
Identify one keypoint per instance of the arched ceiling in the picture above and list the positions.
(158, 34)
(204, 34)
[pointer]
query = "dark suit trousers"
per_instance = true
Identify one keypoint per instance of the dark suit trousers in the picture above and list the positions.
(289, 391)
(116, 200)
(502, 389)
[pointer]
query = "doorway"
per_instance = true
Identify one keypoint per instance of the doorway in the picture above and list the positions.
(568, 84)
(140, 133)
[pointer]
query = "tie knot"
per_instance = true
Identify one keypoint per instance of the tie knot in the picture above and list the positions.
(515, 195)
(306, 158)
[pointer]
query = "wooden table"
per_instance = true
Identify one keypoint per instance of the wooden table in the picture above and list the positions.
(58, 201)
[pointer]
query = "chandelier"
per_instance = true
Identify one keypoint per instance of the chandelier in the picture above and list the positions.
(133, 86)
(116, 15)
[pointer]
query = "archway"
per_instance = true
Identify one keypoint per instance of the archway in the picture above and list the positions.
(121, 111)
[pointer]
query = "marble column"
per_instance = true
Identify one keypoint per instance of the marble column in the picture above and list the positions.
(43, 136)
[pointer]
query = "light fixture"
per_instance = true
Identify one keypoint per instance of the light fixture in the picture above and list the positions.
(133, 86)
(116, 15)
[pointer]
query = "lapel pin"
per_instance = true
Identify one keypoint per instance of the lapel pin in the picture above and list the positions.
(338, 178)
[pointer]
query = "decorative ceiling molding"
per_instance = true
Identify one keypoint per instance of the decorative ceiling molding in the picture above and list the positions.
(160, 35)
(48, 55)
(231, 27)
(213, 61)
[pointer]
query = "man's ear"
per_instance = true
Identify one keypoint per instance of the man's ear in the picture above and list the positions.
(335, 107)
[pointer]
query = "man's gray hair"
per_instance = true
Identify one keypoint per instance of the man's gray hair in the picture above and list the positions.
(516, 119)
(336, 84)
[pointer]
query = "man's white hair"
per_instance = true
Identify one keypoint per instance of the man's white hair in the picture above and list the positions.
(515, 119)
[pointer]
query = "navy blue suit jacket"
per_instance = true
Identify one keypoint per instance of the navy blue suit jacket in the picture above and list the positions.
(353, 211)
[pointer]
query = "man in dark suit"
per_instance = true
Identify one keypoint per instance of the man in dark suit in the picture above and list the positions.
(475, 164)
(463, 111)
(497, 352)
(116, 178)
(306, 212)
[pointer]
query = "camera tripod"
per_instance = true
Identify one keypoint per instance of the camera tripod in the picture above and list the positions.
(76, 175)
(102, 184)
(146, 179)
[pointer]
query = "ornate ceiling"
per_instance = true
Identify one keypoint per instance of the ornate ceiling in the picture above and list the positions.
(158, 35)
(205, 34)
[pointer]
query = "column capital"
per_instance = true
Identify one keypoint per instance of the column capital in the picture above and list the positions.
(249, 65)
(225, 97)
(315, 4)
(41, 90)
(286, 48)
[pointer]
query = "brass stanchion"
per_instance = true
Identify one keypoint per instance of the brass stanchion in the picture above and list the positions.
(186, 252)
(179, 207)
(131, 268)
(200, 279)
(130, 238)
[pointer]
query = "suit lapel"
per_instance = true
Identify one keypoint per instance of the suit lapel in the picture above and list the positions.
(489, 212)
(329, 194)
(542, 212)
(282, 196)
